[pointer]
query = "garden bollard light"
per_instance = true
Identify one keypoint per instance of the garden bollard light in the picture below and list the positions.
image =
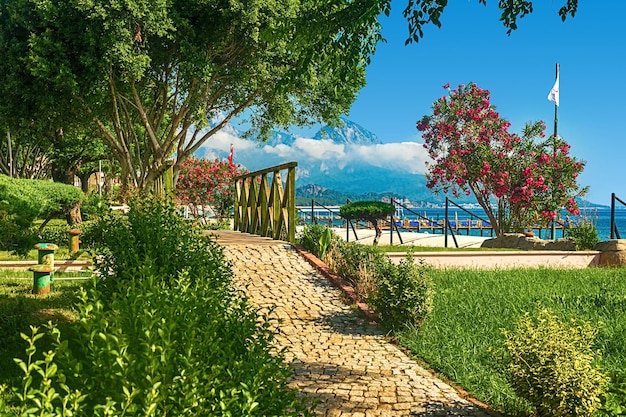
(42, 278)
(74, 240)
(45, 256)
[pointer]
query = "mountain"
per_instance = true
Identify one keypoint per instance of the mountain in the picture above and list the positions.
(347, 159)
(350, 133)
(328, 197)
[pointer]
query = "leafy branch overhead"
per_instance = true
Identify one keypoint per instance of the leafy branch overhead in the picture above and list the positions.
(422, 12)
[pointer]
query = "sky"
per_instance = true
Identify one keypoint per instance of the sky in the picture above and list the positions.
(519, 70)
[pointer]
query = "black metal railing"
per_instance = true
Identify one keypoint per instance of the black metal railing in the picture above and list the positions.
(614, 231)
(447, 226)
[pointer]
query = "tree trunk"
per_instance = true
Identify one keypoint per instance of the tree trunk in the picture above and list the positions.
(73, 216)
(379, 232)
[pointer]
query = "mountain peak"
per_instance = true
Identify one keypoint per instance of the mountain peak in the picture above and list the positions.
(349, 133)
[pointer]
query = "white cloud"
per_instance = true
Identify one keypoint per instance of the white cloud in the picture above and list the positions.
(405, 156)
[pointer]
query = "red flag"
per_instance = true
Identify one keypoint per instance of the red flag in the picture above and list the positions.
(230, 156)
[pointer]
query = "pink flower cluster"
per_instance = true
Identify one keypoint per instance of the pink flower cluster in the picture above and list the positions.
(472, 151)
(207, 183)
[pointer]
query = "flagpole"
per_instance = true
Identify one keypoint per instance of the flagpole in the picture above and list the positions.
(556, 122)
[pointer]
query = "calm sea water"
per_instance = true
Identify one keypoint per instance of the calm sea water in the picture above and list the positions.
(600, 217)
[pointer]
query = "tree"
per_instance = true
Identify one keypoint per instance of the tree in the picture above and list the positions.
(156, 79)
(371, 211)
(527, 178)
(152, 74)
(204, 183)
(422, 12)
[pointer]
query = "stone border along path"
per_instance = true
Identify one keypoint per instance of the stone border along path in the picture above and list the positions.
(341, 361)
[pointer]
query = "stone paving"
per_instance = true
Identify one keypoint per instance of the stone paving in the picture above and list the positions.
(341, 361)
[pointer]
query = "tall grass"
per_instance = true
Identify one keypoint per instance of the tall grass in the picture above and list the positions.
(462, 337)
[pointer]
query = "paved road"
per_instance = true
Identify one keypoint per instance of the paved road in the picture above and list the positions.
(339, 359)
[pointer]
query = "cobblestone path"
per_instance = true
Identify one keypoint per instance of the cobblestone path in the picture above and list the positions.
(340, 360)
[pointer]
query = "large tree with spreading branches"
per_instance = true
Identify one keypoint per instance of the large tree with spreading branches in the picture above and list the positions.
(155, 79)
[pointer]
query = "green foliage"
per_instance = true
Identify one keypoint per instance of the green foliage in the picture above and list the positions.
(24, 201)
(181, 63)
(324, 242)
(423, 12)
(158, 350)
(585, 235)
(401, 295)
(161, 332)
(404, 292)
(153, 235)
(614, 403)
(94, 206)
(358, 265)
(56, 234)
(366, 210)
(551, 364)
(462, 335)
(318, 239)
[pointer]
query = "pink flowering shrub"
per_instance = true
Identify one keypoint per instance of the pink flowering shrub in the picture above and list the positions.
(207, 183)
(517, 180)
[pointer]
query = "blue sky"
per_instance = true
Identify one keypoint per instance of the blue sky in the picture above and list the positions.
(519, 70)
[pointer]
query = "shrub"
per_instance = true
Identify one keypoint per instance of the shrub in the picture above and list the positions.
(357, 264)
(159, 350)
(161, 333)
(551, 364)
(94, 206)
(152, 235)
(585, 235)
(23, 201)
(317, 239)
(404, 292)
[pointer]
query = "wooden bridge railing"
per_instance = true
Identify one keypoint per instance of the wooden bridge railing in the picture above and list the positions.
(263, 206)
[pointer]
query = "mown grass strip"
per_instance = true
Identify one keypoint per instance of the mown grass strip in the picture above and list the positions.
(462, 337)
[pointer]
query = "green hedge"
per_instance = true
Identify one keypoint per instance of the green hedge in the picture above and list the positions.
(23, 201)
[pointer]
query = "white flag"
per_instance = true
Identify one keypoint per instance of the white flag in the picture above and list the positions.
(554, 93)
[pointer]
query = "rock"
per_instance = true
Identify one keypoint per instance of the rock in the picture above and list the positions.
(523, 242)
(612, 245)
(612, 258)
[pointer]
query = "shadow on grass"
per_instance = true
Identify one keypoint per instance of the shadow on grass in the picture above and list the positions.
(20, 309)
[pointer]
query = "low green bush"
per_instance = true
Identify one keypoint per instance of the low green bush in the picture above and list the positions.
(152, 235)
(357, 264)
(552, 365)
(585, 235)
(94, 206)
(158, 349)
(404, 293)
(317, 239)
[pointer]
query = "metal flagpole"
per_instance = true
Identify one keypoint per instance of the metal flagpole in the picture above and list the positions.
(556, 122)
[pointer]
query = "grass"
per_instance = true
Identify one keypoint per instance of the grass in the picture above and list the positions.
(19, 309)
(462, 338)
(61, 254)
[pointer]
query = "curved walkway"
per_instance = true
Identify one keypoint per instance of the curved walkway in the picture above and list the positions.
(342, 362)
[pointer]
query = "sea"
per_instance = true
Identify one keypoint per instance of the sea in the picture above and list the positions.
(598, 216)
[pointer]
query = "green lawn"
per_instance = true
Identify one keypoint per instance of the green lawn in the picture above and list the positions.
(19, 309)
(462, 338)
